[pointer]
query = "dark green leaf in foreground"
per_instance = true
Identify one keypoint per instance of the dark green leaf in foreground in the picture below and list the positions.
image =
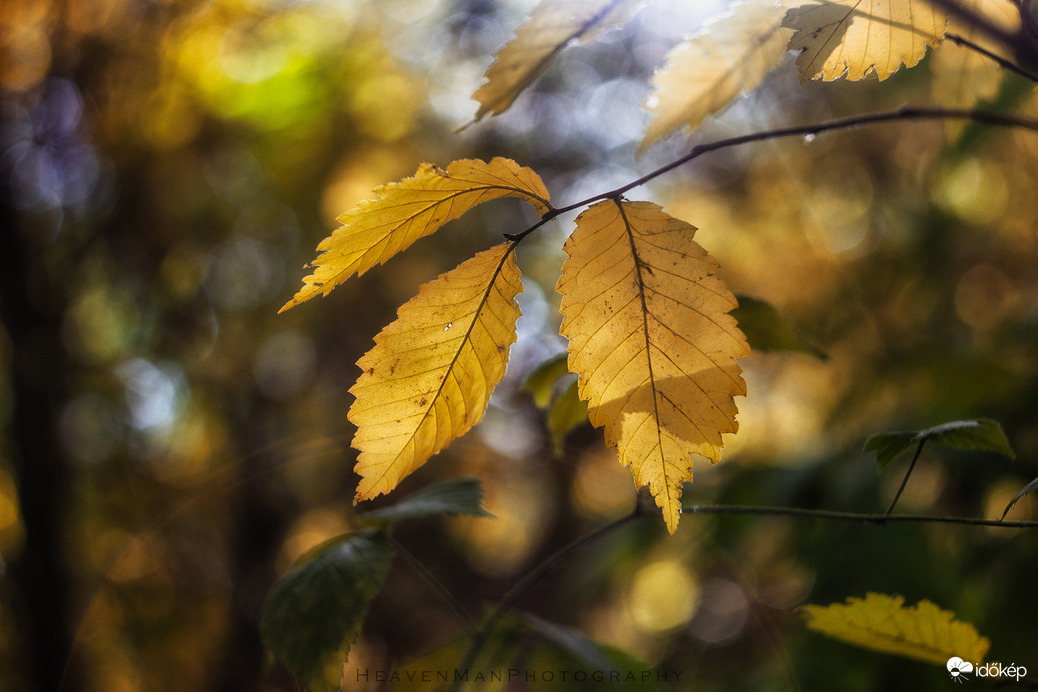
(313, 614)
(767, 330)
(461, 496)
(982, 434)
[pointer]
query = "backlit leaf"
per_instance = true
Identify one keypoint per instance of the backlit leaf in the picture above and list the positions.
(853, 38)
(551, 26)
(883, 623)
(429, 377)
(375, 230)
(702, 75)
(313, 614)
(652, 342)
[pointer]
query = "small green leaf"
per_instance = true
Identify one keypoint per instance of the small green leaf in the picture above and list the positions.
(888, 445)
(541, 382)
(767, 330)
(1023, 491)
(567, 412)
(313, 614)
(982, 435)
(461, 496)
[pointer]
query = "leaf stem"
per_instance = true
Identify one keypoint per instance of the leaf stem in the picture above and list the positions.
(482, 634)
(904, 481)
(433, 583)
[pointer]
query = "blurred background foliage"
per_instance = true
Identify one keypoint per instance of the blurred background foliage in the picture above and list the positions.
(170, 445)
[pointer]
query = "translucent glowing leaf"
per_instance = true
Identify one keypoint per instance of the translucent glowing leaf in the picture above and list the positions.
(429, 377)
(882, 623)
(853, 38)
(551, 26)
(652, 342)
(375, 230)
(961, 76)
(702, 75)
(313, 614)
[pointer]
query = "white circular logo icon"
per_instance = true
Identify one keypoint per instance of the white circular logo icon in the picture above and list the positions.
(958, 668)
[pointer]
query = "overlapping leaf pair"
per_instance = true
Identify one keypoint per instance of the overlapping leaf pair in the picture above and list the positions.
(647, 319)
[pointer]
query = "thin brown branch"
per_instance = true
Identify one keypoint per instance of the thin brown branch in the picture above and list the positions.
(1002, 62)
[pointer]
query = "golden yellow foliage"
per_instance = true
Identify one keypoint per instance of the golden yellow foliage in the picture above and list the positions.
(652, 342)
(853, 38)
(883, 623)
(551, 26)
(375, 230)
(732, 55)
(429, 377)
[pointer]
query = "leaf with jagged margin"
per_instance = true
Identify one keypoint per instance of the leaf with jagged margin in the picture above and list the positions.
(855, 38)
(457, 497)
(551, 26)
(314, 612)
(982, 435)
(375, 230)
(430, 375)
(652, 342)
(731, 56)
(879, 622)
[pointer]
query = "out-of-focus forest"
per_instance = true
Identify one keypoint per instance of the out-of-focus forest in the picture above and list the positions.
(170, 444)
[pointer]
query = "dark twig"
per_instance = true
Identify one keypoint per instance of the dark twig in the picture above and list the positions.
(901, 114)
(904, 481)
(1002, 62)
(854, 516)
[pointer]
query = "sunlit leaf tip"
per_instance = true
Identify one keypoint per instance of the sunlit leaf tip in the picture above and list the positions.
(429, 377)
(652, 342)
(403, 212)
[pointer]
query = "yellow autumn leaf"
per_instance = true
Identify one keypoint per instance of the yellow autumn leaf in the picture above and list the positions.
(854, 38)
(375, 230)
(430, 374)
(961, 76)
(551, 26)
(731, 56)
(652, 342)
(883, 623)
